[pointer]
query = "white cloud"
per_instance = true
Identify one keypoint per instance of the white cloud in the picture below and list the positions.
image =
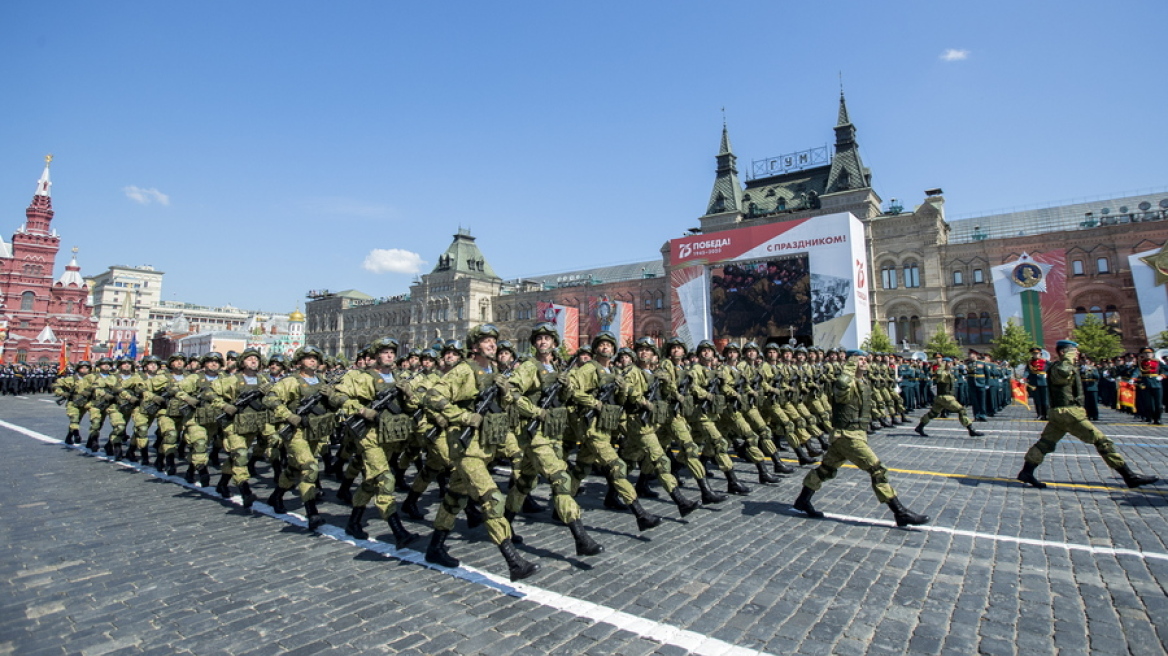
(392, 260)
(953, 54)
(146, 196)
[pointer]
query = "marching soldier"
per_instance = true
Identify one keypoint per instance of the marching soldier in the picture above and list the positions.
(851, 415)
(677, 384)
(73, 389)
(471, 397)
(736, 389)
(1068, 416)
(945, 401)
(708, 406)
(144, 413)
(103, 393)
(206, 392)
(173, 412)
(246, 417)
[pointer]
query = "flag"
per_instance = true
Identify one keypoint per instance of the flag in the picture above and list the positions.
(118, 350)
(134, 347)
(86, 355)
(62, 361)
(1018, 389)
(1127, 395)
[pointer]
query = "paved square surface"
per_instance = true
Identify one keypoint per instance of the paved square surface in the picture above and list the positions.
(101, 558)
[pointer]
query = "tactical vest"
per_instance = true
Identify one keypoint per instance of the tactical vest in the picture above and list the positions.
(391, 426)
(856, 412)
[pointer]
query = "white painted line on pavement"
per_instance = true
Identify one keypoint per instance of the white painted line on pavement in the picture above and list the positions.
(967, 450)
(691, 641)
(1069, 546)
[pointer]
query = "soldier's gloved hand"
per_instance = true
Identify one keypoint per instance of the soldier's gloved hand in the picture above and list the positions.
(472, 419)
(293, 420)
(230, 410)
(440, 421)
(701, 394)
(645, 403)
(504, 384)
(368, 414)
(541, 414)
(405, 388)
(157, 400)
(597, 405)
(564, 379)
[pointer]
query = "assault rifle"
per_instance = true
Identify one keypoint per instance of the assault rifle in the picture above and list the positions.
(605, 395)
(713, 387)
(386, 400)
(548, 399)
(487, 402)
(739, 390)
(303, 410)
(244, 399)
(652, 395)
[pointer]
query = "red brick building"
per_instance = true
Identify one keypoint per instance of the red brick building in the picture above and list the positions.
(37, 314)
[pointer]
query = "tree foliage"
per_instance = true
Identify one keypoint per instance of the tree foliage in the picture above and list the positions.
(1160, 340)
(1013, 345)
(942, 342)
(878, 341)
(1096, 339)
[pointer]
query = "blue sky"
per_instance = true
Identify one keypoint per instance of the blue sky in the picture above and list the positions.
(256, 150)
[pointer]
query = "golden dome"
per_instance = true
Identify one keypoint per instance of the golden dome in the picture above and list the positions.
(296, 315)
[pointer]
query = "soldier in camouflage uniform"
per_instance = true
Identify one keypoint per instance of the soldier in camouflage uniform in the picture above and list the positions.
(1066, 415)
(464, 398)
(429, 438)
(708, 406)
(851, 414)
(944, 378)
(144, 413)
(676, 385)
(739, 404)
(173, 412)
(247, 419)
(206, 392)
(782, 388)
(385, 405)
(306, 405)
(73, 389)
(102, 385)
(540, 387)
(754, 372)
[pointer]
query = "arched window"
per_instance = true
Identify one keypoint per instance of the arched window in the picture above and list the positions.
(888, 276)
(1080, 315)
(892, 334)
(912, 274)
(987, 328)
(1102, 265)
(961, 330)
(27, 300)
(902, 329)
(914, 330)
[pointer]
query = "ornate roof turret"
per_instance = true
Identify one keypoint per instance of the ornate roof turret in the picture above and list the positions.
(40, 212)
(727, 193)
(847, 171)
(72, 276)
(464, 257)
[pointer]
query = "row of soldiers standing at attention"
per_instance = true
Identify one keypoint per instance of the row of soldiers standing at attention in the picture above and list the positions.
(21, 379)
(452, 411)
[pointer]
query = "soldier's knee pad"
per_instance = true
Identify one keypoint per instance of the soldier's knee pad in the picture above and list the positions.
(310, 469)
(824, 472)
(561, 482)
(385, 484)
(493, 503)
(879, 475)
(617, 469)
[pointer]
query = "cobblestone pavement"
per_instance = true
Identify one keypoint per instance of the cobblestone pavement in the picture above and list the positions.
(102, 558)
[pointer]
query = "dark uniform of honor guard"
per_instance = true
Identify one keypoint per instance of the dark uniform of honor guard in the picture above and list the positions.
(1149, 387)
(1090, 375)
(851, 414)
(1036, 382)
(1068, 416)
(978, 377)
(473, 397)
(945, 401)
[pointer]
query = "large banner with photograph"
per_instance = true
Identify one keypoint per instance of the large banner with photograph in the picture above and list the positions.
(1149, 274)
(806, 279)
(1032, 290)
(566, 320)
(613, 316)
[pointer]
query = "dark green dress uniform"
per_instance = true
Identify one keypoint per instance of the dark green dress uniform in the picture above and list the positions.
(1066, 415)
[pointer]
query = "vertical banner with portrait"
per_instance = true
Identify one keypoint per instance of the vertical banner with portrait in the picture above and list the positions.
(566, 320)
(805, 279)
(613, 316)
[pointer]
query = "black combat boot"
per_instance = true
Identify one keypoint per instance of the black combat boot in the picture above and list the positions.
(642, 486)
(91, 442)
(399, 479)
(410, 506)
(824, 442)
(171, 464)
(313, 516)
(709, 496)
(780, 466)
(974, 432)
(904, 516)
(109, 448)
(920, 429)
(204, 477)
(803, 503)
(585, 545)
(223, 487)
(251, 466)
(190, 475)
(885, 422)
(764, 476)
(213, 456)
(684, 506)
(645, 519)
(160, 461)
(612, 500)
(903, 419)
(812, 451)
(733, 486)
(1027, 476)
(345, 491)
(517, 567)
(474, 515)
(781, 444)
(531, 506)
(276, 501)
(509, 515)
(436, 553)
(118, 453)
(354, 526)
(1133, 479)
(804, 458)
(132, 452)
(401, 537)
(249, 497)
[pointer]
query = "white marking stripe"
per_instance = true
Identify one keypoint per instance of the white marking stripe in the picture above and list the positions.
(669, 635)
(1069, 546)
(1016, 453)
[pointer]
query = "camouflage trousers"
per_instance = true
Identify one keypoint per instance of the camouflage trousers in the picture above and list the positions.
(851, 446)
(541, 459)
(303, 469)
(642, 447)
(596, 448)
(1073, 420)
(471, 481)
(379, 481)
(943, 403)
